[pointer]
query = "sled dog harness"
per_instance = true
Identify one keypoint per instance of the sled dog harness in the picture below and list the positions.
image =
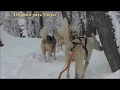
(72, 49)
(74, 44)
(69, 62)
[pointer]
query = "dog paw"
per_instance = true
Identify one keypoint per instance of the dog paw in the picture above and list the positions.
(68, 77)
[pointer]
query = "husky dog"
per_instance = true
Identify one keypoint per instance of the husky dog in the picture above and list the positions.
(48, 44)
(81, 49)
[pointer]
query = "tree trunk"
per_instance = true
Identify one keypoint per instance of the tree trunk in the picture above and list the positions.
(37, 25)
(90, 28)
(107, 38)
(41, 21)
(30, 26)
(82, 24)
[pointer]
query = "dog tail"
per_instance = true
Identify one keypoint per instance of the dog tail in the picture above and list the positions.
(65, 29)
(44, 33)
(66, 33)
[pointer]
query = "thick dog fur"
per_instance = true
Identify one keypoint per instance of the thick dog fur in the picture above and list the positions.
(79, 56)
(59, 40)
(48, 44)
(44, 33)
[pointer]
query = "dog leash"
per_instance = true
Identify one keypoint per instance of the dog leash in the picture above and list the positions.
(69, 62)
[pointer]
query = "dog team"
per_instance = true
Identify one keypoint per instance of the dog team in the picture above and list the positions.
(79, 47)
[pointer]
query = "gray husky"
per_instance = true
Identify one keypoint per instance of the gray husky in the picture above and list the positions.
(48, 44)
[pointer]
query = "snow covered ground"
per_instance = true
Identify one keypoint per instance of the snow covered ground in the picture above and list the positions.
(22, 58)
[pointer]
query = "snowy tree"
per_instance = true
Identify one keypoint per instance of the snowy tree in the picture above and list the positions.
(10, 23)
(30, 25)
(106, 31)
(22, 25)
(90, 27)
(53, 23)
(2, 18)
(37, 24)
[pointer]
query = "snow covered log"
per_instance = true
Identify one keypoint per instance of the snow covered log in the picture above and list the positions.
(105, 29)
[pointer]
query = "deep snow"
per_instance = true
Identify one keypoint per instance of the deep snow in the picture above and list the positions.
(22, 58)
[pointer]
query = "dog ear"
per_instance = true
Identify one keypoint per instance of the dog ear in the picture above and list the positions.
(93, 35)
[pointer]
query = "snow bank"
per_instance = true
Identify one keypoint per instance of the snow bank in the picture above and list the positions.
(116, 26)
